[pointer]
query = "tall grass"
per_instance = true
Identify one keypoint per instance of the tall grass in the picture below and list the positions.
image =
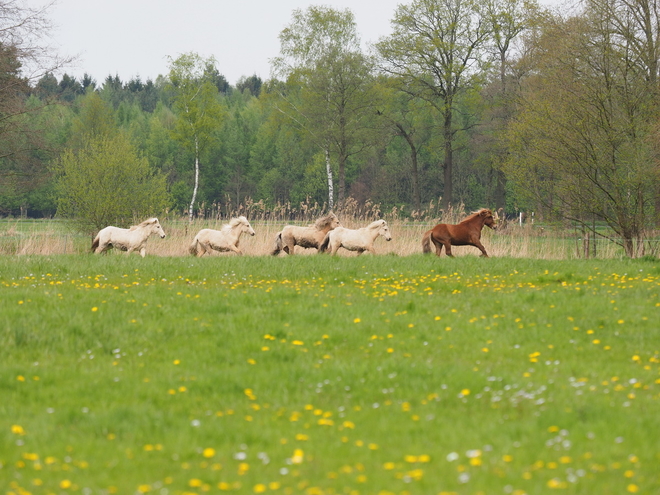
(538, 241)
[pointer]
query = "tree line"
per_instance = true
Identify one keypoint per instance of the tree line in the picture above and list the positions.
(496, 103)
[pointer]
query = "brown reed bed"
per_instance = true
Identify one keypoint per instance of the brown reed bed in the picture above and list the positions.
(49, 237)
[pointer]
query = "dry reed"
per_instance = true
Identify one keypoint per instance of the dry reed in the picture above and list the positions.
(509, 240)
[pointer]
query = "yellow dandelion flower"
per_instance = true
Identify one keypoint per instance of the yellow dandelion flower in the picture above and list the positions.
(298, 456)
(208, 452)
(64, 484)
(357, 320)
(259, 488)
(632, 488)
(17, 430)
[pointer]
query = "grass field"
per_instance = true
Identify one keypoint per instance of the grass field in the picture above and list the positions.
(319, 375)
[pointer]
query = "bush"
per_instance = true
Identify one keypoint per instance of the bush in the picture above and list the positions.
(106, 182)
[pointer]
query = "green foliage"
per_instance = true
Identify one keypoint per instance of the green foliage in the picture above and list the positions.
(106, 182)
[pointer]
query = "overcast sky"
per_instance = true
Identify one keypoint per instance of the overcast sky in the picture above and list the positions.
(132, 38)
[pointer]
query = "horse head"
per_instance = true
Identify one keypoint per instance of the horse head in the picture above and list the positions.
(329, 222)
(156, 227)
(247, 228)
(384, 230)
(488, 218)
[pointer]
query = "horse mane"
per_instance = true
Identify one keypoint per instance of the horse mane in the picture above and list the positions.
(321, 223)
(376, 223)
(144, 224)
(234, 222)
(474, 214)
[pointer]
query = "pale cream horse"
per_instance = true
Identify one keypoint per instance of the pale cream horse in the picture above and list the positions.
(359, 240)
(129, 240)
(307, 237)
(225, 239)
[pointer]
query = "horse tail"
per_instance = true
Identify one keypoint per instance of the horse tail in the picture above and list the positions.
(95, 243)
(278, 244)
(324, 245)
(193, 247)
(426, 242)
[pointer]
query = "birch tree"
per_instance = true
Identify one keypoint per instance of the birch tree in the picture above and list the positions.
(321, 59)
(197, 107)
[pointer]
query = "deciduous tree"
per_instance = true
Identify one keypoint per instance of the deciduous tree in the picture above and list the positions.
(330, 85)
(581, 142)
(435, 52)
(197, 108)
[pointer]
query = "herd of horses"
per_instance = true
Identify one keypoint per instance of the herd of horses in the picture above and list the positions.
(325, 235)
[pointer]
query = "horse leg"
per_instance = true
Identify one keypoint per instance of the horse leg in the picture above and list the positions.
(236, 250)
(478, 244)
(448, 248)
(206, 248)
(438, 246)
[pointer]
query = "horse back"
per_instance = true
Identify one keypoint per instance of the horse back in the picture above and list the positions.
(458, 235)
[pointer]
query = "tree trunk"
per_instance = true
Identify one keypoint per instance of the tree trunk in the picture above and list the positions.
(194, 196)
(448, 164)
(417, 197)
(331, 188)
(500, 189)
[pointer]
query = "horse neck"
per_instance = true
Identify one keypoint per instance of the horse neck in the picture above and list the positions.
(144, 232)
(477, 220)
(374, 233)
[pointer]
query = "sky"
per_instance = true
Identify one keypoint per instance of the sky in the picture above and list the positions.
(131, 38)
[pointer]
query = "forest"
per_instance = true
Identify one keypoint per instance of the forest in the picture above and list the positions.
(481, 103)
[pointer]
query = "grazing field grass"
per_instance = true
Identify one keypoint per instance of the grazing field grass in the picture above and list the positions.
(320, 375)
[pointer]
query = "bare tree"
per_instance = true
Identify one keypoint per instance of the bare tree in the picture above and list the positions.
(25, 57)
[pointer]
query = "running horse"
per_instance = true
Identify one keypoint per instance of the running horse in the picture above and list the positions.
(465, 233)
(225, 239)
(129, 240)
(307, 237)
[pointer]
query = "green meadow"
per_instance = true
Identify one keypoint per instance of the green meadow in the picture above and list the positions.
(318, 375)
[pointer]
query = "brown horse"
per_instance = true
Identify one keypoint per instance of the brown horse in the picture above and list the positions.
(465, 233)
(307, 237)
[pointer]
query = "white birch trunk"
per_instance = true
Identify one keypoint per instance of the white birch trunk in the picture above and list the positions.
(331, 188)
(194, 196)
